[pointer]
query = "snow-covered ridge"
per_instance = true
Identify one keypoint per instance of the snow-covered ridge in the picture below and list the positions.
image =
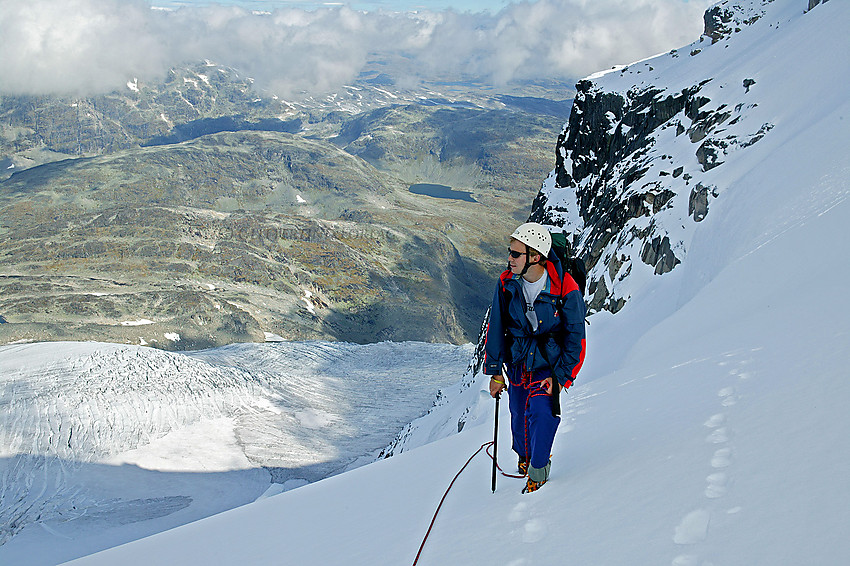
(650, 147)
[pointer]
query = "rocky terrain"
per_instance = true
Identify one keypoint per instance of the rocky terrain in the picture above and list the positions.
(629, 206)
(198, 212)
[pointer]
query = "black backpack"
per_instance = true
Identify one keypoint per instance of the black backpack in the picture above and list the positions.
(577, 270)
(572, 265)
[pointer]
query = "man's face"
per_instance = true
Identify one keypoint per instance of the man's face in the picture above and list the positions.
(516, 263)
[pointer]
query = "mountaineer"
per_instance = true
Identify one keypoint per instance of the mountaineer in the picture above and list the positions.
(537, 332)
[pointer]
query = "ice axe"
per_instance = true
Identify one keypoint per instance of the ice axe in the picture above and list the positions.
(495, 442)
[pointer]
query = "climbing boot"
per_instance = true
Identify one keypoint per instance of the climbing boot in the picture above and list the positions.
(531, 485)
(522, 466)
(537, 477)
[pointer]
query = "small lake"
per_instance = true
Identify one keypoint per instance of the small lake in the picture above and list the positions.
(440, 191)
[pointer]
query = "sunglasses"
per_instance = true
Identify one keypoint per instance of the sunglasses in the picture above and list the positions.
(515, 254)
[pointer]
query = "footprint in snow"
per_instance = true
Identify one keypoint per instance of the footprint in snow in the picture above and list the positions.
(716, 485)
(518, 513)
(693, 527)
(715, 420)
(728, 394)
(722, 458)
(534, 531)
(718, 436)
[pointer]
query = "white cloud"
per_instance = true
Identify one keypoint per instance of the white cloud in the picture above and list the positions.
(90, 46)
(562, 38)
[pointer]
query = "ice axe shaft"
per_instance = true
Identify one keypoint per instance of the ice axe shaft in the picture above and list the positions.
(495, 442)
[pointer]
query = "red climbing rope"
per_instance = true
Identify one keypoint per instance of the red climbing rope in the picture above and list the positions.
(486, 447)
(503, 472)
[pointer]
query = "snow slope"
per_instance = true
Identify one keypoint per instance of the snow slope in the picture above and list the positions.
(721, 440)
(709, 424)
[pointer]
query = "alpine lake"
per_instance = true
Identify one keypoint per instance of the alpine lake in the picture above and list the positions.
(440, 191)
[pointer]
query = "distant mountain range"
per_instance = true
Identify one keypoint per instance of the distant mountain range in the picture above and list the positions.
(214, 213)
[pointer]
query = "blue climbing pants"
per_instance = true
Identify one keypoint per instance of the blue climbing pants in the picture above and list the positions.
(532, 424)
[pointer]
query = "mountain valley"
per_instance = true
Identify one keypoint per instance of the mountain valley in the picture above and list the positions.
(195, 213)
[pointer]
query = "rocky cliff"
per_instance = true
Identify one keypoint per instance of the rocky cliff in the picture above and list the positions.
(641, 158)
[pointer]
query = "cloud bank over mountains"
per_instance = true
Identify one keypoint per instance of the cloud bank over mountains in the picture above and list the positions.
(84, 47)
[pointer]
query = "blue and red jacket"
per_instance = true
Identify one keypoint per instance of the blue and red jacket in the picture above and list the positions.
(558, 344)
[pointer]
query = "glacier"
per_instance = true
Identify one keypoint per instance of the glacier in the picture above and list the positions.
(96, 437)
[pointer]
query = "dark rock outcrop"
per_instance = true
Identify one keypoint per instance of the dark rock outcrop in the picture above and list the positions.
(624, 187)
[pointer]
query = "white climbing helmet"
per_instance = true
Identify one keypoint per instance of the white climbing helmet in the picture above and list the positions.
(534, 236)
